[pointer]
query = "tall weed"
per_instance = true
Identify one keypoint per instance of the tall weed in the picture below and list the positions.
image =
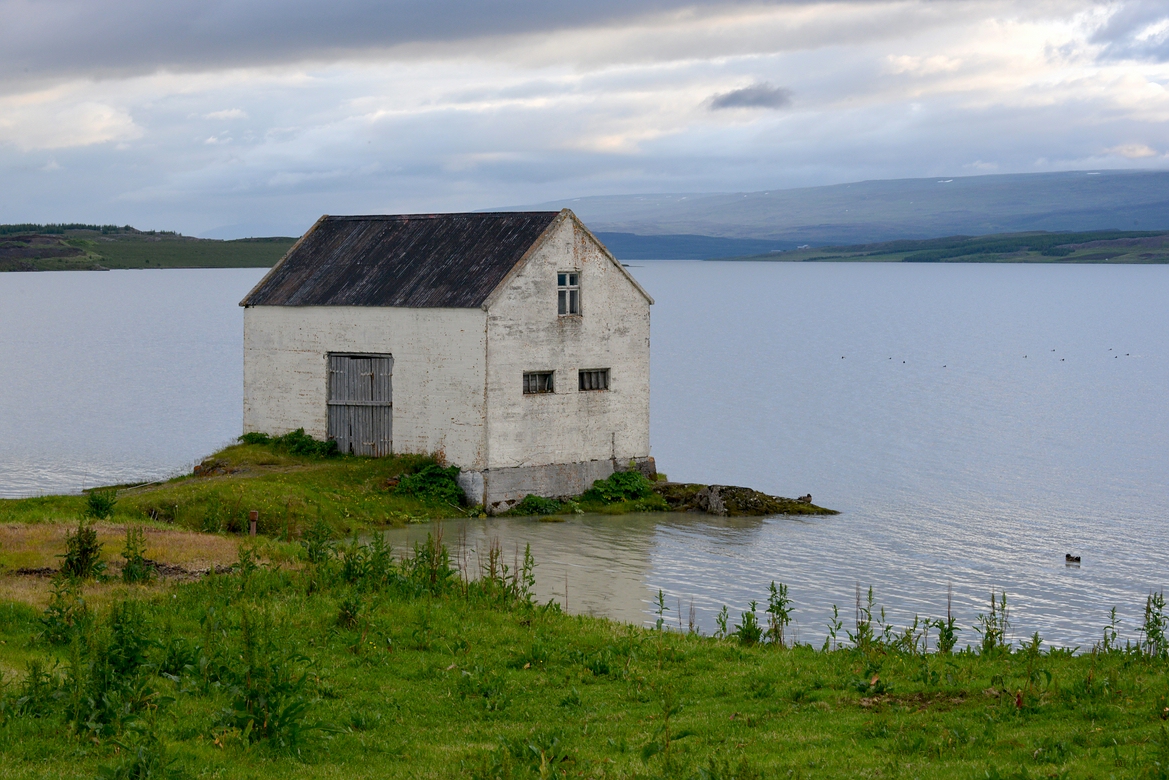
(269, 690)
(994, 625)
(779, 613)
(748, 631)
(82, 558)
(67, 614)
(317, 542)
(136, 567)
(948, 627)
(1155, 643)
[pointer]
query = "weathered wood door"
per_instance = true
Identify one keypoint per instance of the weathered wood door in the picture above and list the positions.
(361, 410)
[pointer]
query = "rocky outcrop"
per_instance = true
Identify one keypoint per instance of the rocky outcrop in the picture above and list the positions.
(732, 501)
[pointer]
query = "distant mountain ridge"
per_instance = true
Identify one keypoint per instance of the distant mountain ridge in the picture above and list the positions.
(883, 210)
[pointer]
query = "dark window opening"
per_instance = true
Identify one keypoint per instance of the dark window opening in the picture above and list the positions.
(568, 293)
(594, 379)
(538, 382)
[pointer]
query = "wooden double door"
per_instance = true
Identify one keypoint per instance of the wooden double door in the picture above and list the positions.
(360, 400)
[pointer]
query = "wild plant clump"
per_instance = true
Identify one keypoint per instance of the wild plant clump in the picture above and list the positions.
(318, 542)
(779, 612)
(432, 483)
(141, 754)
(269, 688)
(82, 558)
(136, 567)
(116, 665)
(67, 614)
(620, 486)
(994, 625)
(99, 504)
(623, 490)
(535, 506)
(748, 630)
(1155, 629)
(295, 443)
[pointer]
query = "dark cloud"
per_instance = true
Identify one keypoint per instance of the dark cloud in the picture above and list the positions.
(761, 95)
(1137, 31)
(46, 40)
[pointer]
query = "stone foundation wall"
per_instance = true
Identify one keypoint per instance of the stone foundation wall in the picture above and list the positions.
(500, 489)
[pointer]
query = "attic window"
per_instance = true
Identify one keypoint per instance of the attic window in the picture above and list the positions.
(537, 382)
(568, 292)
(594, 379)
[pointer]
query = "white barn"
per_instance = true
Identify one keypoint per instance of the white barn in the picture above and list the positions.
(511, 344)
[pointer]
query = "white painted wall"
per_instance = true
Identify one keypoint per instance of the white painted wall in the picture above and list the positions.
(525, 333)
(458, 373)
(439, 369)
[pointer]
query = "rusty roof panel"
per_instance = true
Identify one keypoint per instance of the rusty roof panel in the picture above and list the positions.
(412, 260)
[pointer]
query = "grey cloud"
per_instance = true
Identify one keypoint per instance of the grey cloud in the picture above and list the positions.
(760, 95)
(1126, 33)
(42, 41)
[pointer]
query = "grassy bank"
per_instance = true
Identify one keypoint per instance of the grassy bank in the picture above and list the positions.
(294, 481)
(289, 489)
(94, 247)
(355, 662)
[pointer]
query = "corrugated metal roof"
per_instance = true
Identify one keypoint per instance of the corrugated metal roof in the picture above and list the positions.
(411, 260)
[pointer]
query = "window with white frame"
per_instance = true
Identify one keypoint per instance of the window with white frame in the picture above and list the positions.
(568, 293)
(537, 382)
(594, 379)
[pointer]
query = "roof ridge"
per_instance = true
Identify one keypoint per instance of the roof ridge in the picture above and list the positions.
(439, 215)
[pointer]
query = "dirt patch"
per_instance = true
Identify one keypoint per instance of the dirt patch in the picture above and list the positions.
(44, 571)
(29, 559)
(35, 548)
(215, 468)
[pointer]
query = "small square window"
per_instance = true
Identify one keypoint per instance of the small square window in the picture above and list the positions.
(594, 379)
(568, 293)
(537, 382)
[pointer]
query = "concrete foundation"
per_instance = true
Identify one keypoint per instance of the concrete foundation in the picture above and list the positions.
(498, 490)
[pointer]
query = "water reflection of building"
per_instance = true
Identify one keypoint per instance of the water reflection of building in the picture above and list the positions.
(603, 561)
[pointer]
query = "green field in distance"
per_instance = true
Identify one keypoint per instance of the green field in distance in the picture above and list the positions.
(94, 247)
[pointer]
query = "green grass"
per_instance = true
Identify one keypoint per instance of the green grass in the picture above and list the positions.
(289, 491)
(622, 492)
(184, 252)
(83, 248)
(292, 491)
(372, 666)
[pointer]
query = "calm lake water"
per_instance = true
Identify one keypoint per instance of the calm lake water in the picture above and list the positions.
(973, 423)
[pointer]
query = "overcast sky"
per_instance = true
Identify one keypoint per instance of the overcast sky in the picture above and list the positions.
(238, 117)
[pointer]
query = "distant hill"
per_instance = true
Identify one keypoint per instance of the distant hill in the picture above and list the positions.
(73, 247)
(700, 226)
(1102, 246)
(875, 211)
(630, 246)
